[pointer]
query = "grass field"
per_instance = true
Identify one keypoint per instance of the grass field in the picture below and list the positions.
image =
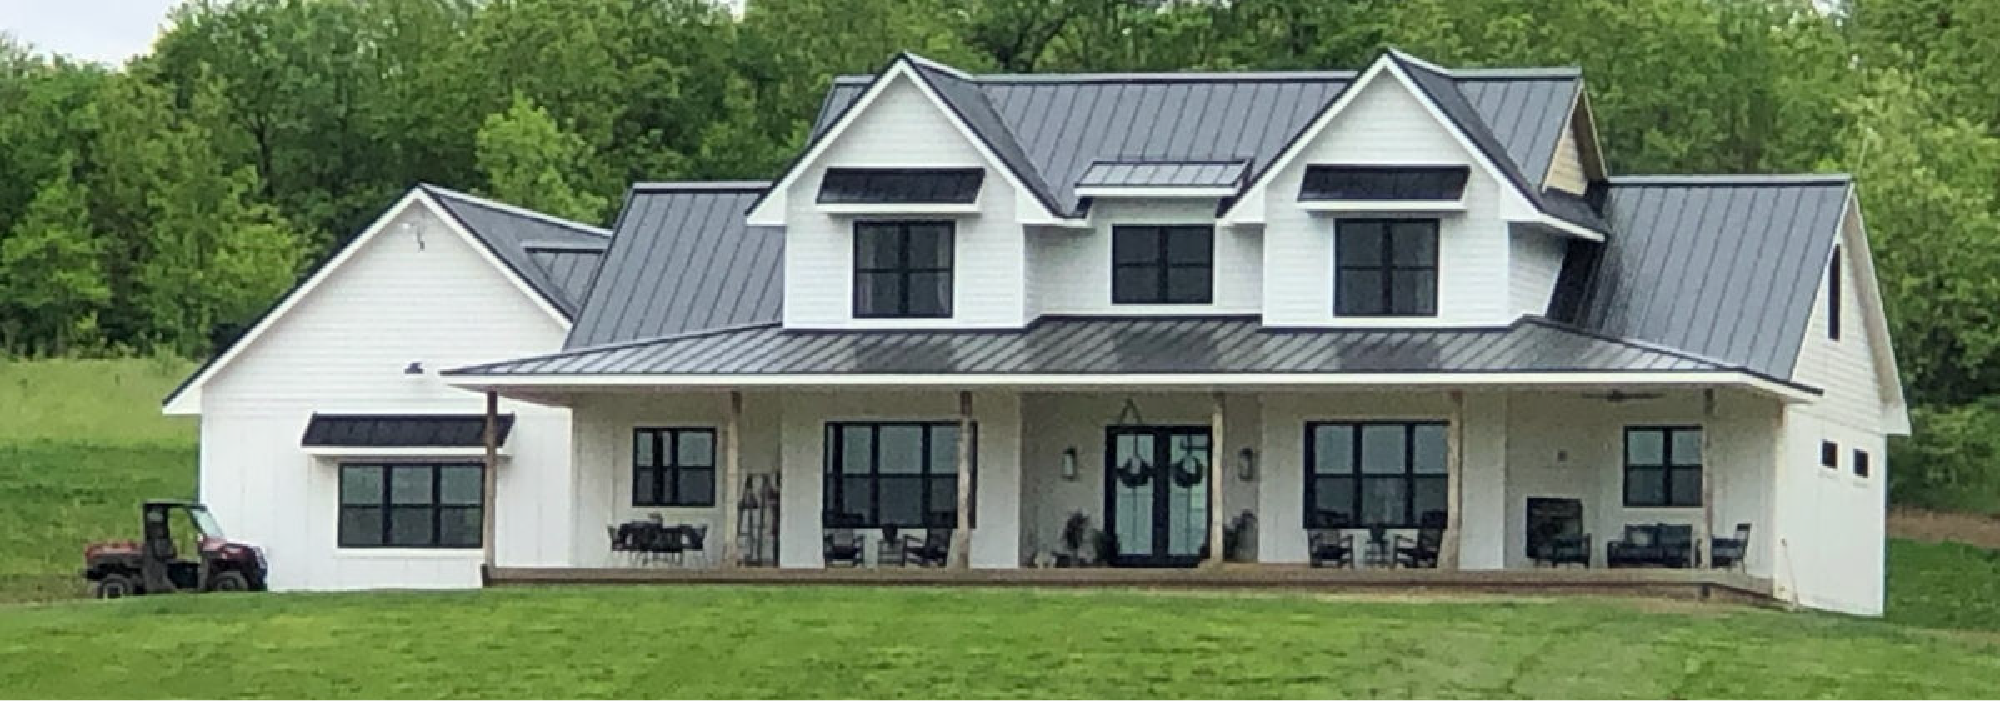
(82, 442)
(917, 643)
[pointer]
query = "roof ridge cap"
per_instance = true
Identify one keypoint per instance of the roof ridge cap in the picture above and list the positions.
(1738, 179)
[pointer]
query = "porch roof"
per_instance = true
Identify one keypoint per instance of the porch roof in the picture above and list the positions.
(1238, 347)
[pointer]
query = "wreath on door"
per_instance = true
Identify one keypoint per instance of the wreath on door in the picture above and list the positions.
(1133, 473)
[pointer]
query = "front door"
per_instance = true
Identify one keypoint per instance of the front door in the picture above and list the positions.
(1156, 494)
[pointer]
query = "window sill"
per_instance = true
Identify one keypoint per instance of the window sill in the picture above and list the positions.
(411, 553)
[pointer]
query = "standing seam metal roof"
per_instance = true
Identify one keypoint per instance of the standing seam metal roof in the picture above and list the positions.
(1051, 128)
(1164, 174)
(1109, 345)
(507, 230)
(1720, 266)
(683, 259)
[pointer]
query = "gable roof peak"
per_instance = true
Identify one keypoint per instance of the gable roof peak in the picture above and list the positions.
(523, 212)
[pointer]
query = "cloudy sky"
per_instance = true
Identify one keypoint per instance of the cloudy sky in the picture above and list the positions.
(108, 31)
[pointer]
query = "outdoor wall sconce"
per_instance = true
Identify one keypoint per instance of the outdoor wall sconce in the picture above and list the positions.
(414, 368)
(1246, 464)
(1069, 463)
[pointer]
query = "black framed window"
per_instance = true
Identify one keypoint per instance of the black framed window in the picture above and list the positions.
(1833, 296)
(673, 467)
(1829, 455)
(405, 505)
(1860, 463)
(1162, 264)
(902, 474)
(1385, 267)
(902, 270)
(1375, 473)
(1663, 466)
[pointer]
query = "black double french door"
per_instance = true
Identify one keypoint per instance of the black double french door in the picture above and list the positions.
(1156, 494)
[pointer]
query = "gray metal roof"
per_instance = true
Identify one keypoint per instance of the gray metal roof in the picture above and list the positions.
(403, 430)
(1164, 174)
(1062, 123)
(506, 230)
(1340, 182)
(1071, 345)
(683, 260)
(1721, 266)
(569, 265)
(900, 185)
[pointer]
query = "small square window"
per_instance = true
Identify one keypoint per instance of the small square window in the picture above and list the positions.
(1829, 455)
(1860, 463)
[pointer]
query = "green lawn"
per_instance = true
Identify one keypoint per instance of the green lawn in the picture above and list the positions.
(919, 643)
(81, 442)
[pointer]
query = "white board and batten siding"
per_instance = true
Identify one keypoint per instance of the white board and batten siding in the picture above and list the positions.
(1074, 275)
(904, 127)
(1833, 519)
(1385, 124)
(416, 292)
(1534, 261)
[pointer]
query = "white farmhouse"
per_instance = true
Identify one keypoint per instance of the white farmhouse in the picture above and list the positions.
(1346, 321)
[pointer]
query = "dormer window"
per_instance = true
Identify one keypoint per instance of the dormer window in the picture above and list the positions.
(1385, 267)
(902, 270)
(1162, 264)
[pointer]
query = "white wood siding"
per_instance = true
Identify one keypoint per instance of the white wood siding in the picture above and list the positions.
(904, 128)
(1073, 273)
(1534, 260)
(1385, 125)
(1566, 172)
(1833, 519)
(417, 292)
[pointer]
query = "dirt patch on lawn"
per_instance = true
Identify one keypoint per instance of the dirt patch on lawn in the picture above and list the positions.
(1935, 526)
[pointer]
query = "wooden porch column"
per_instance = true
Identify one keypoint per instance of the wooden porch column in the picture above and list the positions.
(730, 491)
(1454, 478)
(1704, 531)
(489, 476)
(961, 536)
(1216, 454)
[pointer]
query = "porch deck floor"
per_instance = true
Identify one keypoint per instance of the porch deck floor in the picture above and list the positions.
(1686, 583)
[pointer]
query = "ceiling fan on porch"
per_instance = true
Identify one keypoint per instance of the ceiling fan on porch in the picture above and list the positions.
(1617, 396)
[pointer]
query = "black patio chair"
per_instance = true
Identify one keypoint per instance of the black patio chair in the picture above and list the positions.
(842, 545)
(1639, 547)
(1567, 550)
(1422, 552)
(1729, 552)
(1328, 548)
(1676, 545)
(694, 539)
(932, 550)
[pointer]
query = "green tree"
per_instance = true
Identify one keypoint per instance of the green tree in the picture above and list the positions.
(51, 282)
(528, 160)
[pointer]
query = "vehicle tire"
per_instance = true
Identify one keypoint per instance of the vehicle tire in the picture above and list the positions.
(114, 586)
(231, 580)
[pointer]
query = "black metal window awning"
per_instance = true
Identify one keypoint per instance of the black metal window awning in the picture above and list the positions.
(900, 185)
(402, 430)
(1383, 183)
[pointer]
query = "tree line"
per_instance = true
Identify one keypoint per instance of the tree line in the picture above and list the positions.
(157, 206)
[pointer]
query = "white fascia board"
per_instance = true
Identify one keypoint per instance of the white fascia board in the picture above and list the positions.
(865, 209)
(1115, 381)
(771, 211)
(187, 402)
(1561, 227)
(1392, 206)
(1518, 200)
(402, 452)
(1888, 378)
(1155, 191)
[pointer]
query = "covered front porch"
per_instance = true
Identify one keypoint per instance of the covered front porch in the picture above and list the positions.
(866, 481)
